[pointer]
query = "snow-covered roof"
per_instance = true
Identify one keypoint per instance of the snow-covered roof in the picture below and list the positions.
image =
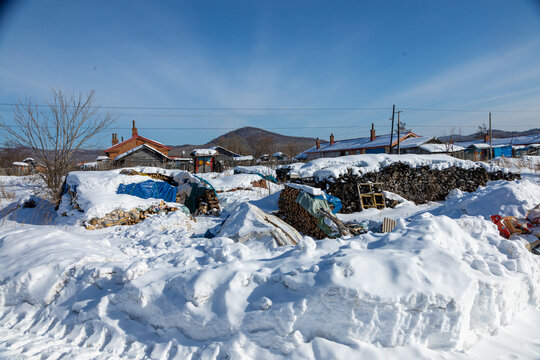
(440, 148)
(518, 140)
(358, 143)
(177, 158)
(243, 158)
(414, 142)
(29, 159)
(279, 154)
(20, 163)
(138, 148)
(204, 152)
(89, 165)
(103, 158)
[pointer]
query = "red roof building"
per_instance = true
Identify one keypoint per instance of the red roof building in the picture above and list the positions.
(135, 141)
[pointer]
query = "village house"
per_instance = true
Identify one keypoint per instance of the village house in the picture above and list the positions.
(478, 150)
(427, 145)
(138, 151)
(366, 145)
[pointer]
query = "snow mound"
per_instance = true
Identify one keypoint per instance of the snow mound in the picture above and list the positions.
(248, 222)
(507, 198)
(361, 164)
(257, 169)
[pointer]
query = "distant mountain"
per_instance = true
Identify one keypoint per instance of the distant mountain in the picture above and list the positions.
(496, 134)
(253, 141)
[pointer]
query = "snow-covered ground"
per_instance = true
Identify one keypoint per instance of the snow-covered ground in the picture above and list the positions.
(442, 285)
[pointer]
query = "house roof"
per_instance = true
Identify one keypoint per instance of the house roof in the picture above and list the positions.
(141, 138)
(358, 143)
(517, 140)
(228, 152)
(138, 148)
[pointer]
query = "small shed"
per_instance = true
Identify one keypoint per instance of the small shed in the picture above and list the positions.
(205, 160)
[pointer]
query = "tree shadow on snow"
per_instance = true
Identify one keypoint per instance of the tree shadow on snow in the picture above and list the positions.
(32, 210)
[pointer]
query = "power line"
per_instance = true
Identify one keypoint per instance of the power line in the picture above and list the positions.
(226, 108)
(182, 108)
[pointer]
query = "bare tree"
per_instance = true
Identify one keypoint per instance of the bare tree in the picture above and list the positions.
(55, 132)
(402, 129)
(483, 129)
(263, 145)
(451, 137)
(291, 149)
(235, 144)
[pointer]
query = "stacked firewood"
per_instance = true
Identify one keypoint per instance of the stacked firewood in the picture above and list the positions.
(208, 203)
(421, 184)
(296, 216)
(121, 217)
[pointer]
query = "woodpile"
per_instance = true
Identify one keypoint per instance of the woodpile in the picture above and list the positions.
(420, 184)
(121, 217)
(296, 216)
(208, 203)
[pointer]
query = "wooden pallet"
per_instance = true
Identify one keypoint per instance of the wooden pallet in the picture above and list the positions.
(371, 195)
(388, 225)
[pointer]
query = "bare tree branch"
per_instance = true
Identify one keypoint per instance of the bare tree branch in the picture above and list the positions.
(54, 135)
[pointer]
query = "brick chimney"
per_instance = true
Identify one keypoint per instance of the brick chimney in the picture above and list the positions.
(372, 135)
(332, 142)
(486, 137)
(114, 139)
(133, 130)
(317, 144)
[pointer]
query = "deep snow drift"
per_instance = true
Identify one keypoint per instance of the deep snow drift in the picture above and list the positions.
(432, 288)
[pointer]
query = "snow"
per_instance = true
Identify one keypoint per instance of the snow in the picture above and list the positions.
(258, 169)
(325, 168)
(442, 285)
(243, 158)
(19, 163)
(522, 164)
(204, 152)
(440, 148)
(103, 158)
(232, 181)
(305, 188)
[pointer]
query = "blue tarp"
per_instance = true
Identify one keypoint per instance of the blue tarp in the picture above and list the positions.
(149, 189)
(332, 200)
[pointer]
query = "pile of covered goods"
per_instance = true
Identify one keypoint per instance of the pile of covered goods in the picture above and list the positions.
(127, 196)
(419, 178)
(307, 209)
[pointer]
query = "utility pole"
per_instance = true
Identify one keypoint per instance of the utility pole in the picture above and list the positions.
(398, 137)
(392, 132)
(490, 135)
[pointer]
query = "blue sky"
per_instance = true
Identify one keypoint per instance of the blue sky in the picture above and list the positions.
(290, 55)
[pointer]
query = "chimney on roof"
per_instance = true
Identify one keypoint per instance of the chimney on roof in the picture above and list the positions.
(372, 135)
(332, 139)
(486, 137)
(317, 144)
(114, 139)
(133, 130)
